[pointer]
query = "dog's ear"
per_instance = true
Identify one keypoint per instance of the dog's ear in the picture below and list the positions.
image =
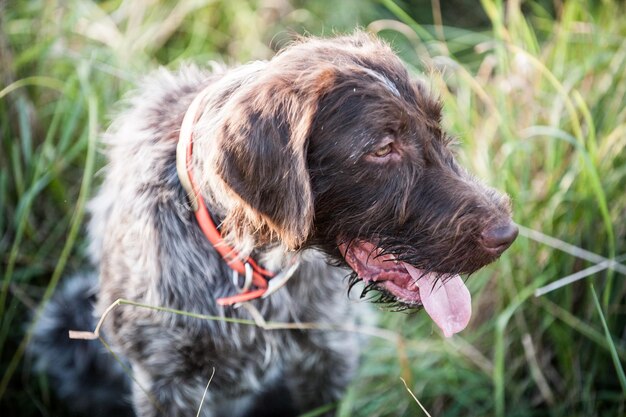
(262, 155)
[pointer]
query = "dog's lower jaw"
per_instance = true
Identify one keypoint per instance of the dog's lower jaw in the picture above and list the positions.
(445, 297)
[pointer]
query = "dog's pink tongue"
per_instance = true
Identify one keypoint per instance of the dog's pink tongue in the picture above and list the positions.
(447, 301)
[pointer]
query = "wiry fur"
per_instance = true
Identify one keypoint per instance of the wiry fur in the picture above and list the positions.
(284, 154)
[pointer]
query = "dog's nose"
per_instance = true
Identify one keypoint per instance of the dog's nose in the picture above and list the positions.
(498, 238)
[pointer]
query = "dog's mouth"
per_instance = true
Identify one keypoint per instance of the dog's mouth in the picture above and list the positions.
(445, 297)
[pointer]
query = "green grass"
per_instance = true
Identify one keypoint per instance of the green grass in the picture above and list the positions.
(537, 99)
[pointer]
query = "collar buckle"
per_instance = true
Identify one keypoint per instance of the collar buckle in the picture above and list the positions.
(247, 278)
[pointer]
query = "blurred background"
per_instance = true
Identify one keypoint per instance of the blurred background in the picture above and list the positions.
(535, 91)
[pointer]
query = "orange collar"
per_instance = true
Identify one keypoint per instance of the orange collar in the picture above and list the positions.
(253, 273)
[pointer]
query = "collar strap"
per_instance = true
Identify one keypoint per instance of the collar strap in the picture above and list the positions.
(252, 272)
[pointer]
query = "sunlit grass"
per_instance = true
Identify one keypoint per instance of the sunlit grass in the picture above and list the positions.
(537, 100)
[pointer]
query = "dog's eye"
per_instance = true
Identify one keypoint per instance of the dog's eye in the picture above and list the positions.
(386, 151)
(383, 151)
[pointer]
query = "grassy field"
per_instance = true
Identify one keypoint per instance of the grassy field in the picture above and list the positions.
(536, 94)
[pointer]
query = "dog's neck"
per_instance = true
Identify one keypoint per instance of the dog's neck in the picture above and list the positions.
(258, 282)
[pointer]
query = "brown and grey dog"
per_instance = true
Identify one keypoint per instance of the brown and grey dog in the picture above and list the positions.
(329, 155)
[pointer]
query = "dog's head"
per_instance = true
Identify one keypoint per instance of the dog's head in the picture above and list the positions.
(332, 144)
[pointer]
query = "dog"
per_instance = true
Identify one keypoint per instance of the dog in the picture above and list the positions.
(275, 186)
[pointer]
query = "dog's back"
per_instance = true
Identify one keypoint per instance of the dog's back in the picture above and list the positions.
(82, 372)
